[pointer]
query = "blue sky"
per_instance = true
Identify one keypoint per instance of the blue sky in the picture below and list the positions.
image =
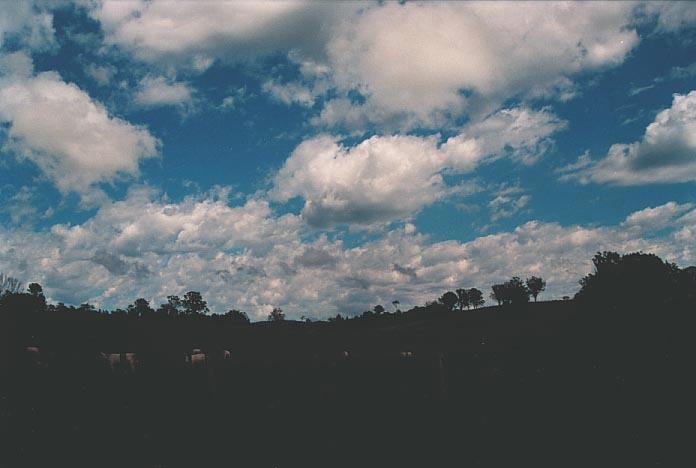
(324, 157)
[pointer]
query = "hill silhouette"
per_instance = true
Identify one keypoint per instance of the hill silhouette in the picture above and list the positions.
(601, 380)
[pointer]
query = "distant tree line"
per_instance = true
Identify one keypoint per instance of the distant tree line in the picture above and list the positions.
(516, 291)
(617, 280)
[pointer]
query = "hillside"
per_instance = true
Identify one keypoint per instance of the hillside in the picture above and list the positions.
(413, 389)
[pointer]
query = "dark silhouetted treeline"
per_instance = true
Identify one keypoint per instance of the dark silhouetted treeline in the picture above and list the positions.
(601, 380)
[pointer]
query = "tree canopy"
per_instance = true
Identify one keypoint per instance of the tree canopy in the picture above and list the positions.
(535, 285)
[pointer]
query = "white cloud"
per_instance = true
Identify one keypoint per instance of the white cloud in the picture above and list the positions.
(392, 177)
(665, 154)
(101, 74)
(157, 91)
(29, 23)
(519, 133)
(657, 218)
(196, 33)
(413, 61)
(380, 179)
(246, 257)
(143, 224)
(290, 93)
(228, 102)
(416, 64)
(71, 138)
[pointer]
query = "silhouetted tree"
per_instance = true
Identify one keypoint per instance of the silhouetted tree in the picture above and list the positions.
(236, 316)
(194, 304)
(396, 306)
(378, 309)
(635, 279)
(36, 292)
(172, 308)
(35, 289)
(513, 291)
(475, 298)
(140, 309)
(462, 299)
(498, 293)
(449, 299)
(535, 284)
(276, 315)
(516, 291)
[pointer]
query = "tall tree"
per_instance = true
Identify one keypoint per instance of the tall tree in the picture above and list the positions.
(449, 299)
(475, 298)
(513, 291)
(239, 317)
(498, 293)
(276, 315)
(516, 291)
(35, 289)
(140, 308)
(172, 308)
(194, 304)
(463, 299)
(535, 284)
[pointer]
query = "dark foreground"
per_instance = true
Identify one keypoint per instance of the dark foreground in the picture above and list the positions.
(542, 385)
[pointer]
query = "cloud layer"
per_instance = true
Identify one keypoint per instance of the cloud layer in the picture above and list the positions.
(415, 64)
(247, 257)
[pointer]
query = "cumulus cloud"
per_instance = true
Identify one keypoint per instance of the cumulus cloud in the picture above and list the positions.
(241, 256)
(422, 62)
(71, 138)
(415, 64)
(157, 91)
(379, 179)
(665, 154)
(657, 218)
(144, 223)
(194, 34)
(290, 93)
(29, 23)
(392, 177)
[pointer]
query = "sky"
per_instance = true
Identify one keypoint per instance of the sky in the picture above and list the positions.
(327, 157)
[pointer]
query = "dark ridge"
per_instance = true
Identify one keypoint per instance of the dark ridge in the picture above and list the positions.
(604, 379)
